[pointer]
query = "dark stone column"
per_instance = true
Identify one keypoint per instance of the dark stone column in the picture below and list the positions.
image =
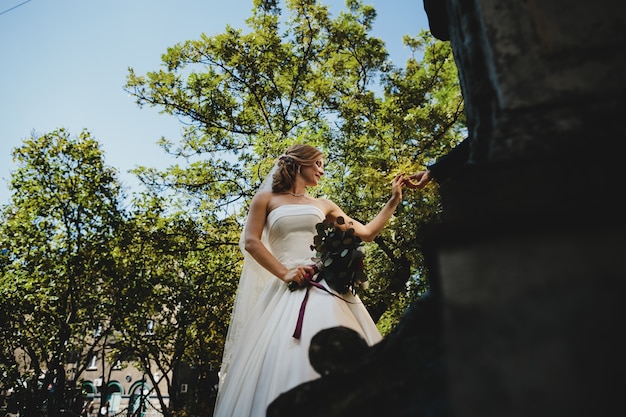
(530, 247)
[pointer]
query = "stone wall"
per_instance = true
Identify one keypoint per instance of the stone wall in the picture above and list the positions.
(531, 247)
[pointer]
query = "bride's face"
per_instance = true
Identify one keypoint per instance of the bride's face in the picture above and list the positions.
(312, 173)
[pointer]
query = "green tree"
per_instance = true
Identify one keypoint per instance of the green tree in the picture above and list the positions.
(308, 77)
(58, 267)
(178, 295)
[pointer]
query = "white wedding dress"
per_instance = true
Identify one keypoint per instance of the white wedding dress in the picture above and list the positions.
(266, 359)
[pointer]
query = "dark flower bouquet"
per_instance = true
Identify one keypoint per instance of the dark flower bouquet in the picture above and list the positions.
(339, 260)
(339, 257)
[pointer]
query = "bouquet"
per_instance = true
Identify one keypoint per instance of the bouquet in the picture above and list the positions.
(339, 260)
(339, 257)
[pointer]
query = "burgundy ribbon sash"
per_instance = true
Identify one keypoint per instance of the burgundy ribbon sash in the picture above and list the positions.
(298, 332)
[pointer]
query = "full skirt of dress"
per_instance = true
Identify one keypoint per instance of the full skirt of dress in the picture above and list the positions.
(269, 360)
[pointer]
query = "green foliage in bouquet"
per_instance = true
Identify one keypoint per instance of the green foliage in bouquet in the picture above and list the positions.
(340, 256)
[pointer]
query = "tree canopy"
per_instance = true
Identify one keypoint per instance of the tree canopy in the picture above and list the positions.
(306, 77)
(58, 264)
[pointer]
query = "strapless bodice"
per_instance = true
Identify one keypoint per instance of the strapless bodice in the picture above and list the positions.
(290, 232)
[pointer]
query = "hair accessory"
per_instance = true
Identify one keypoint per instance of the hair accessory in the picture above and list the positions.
(286, 159)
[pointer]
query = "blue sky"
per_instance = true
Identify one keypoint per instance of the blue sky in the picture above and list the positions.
(64, 64)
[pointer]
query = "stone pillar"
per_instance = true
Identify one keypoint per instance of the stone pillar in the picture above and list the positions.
(532, 244)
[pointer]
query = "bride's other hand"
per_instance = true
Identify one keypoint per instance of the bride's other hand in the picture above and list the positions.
(299, 274)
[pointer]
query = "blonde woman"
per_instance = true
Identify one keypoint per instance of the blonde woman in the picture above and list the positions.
(262, 358)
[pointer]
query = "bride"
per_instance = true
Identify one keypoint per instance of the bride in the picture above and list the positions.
(262, 357)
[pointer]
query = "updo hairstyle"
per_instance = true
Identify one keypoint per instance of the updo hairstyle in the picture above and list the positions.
(289, 165)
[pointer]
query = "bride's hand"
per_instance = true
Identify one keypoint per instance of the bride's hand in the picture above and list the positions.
(396, 186)
(299, 275)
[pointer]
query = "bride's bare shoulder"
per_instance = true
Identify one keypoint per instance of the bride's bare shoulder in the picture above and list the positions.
(261, 199)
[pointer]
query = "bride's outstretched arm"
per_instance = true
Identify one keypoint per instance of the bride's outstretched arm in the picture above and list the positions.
(367, 232)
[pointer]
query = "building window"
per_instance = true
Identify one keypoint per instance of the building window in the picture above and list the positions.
(150, 327)
(89, 389)
(115, 386)
(93, 363)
